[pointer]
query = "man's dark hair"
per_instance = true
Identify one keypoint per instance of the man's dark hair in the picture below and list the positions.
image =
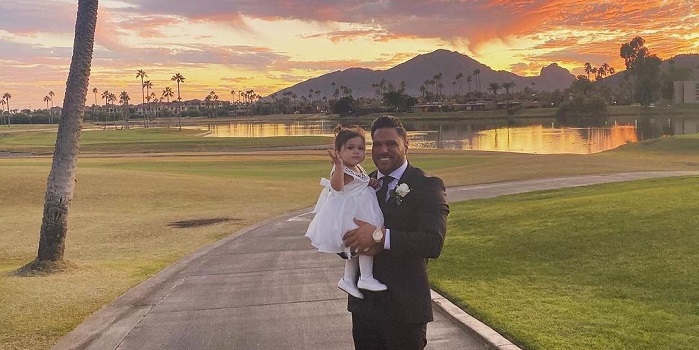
(389, 121)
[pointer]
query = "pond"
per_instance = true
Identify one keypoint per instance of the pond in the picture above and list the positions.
(524, 135)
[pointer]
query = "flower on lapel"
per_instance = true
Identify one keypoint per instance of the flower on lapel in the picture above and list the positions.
(400, 192)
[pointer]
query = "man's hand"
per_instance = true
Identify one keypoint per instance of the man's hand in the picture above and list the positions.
(359, 240)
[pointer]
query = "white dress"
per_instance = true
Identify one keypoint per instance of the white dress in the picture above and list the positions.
(335, 211)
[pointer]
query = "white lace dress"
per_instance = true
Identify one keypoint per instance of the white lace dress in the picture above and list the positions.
(335, 211)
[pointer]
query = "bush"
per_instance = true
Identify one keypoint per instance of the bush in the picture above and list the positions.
(582, 106)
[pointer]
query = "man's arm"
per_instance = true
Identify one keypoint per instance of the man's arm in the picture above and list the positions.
(424, 240)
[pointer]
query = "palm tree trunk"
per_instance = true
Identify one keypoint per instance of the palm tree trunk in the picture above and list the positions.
(61, 180)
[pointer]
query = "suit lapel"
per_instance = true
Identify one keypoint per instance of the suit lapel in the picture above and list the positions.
(406, 178)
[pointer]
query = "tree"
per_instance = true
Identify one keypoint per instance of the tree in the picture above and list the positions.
(581, 86)
(179, 78)
(2, 103)
(105, 96)
(458, 78)
(6, 97)
(124, 100)
(167, 93)
(51, 95)
(344, 106)
(399, 100)
(47, 99)
(494, 87)
(468, 81)
(645, 67)
(142, 74)
(477, 74)
(507, 86)
(61, 180)
(95, 91)
(588, 69)
(148, 85)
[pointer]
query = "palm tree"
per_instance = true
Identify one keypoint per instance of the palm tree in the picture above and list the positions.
(47, 99)
(105, 96)
(477, 74)
(507, 86)
(468, 81)
(233, 93)
(95, 91)
(124, 100)
(148, 85)
(438, 79)
(459, 77)
(142, 74)
(7, 96)
(61, 179)
(179, 78)
(494, 87)
(588, 69)
(167, 93)
(2, 103)
(51, 95)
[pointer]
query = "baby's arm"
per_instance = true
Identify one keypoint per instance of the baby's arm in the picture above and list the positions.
(337, 178)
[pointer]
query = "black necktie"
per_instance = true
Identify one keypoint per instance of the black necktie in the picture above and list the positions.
(381, 195)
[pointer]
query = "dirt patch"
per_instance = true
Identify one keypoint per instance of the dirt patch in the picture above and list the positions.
(200, 222)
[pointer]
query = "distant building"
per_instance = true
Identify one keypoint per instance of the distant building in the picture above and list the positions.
(686, 92)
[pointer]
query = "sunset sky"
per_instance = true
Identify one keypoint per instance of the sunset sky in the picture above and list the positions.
(267, 45)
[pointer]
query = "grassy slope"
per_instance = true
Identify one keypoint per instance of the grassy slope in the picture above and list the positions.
(603, 267)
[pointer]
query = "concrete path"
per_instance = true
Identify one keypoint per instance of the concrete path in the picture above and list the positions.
(267, 288)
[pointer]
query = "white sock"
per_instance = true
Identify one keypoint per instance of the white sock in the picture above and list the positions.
(351, 269)
(366, 266)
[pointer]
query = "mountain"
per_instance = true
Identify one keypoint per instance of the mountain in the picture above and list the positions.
(424, 67)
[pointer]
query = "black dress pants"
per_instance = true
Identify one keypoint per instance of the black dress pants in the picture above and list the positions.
(376, 331)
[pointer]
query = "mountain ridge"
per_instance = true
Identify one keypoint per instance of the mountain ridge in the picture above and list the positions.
(424, 67)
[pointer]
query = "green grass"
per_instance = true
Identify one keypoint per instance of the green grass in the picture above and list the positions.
(602, 267)
(119, 231)
(680, 144)
(155, 140)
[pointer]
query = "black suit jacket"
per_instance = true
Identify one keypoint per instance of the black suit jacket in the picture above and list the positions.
(418, 226)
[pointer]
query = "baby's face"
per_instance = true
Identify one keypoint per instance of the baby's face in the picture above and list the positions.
(352, 152)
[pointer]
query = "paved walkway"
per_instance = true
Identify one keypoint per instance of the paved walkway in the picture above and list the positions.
(267, 288)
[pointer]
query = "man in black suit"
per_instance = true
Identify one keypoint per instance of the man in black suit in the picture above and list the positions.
(415, 217)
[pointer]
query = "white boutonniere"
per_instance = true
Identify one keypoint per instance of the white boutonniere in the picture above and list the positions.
(400, 192)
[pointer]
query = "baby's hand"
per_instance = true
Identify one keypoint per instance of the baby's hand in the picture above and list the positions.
(335, 158)
(373, 182)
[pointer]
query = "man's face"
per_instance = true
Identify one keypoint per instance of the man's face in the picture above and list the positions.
(388, 150)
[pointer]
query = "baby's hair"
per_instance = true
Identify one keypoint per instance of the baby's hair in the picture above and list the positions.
(344, 134)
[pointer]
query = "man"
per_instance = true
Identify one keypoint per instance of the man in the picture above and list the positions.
(415, 217)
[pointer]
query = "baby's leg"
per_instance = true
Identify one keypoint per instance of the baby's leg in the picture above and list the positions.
(351, 269)
(367, 280)
(348, 282)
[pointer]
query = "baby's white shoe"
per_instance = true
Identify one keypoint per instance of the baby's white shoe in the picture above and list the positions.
(371, 284)
(350, 288)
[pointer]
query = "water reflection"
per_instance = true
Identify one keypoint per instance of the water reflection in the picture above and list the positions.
(539, 136)
(270, 129)
(536, 139)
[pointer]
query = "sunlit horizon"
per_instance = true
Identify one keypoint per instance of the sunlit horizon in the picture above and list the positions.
(268, 46)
